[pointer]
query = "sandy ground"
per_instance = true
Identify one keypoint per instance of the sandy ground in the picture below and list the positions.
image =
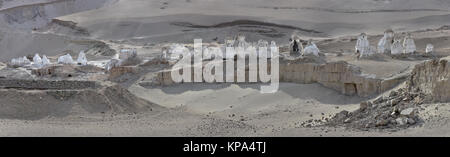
(155, 20)
(235, 110)
(245, 112)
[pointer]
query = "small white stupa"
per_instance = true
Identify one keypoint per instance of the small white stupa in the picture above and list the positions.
(263, 43)
(396, 47)
(216, 52)
(295, 46)
(363, 46)
(37, 61)
(300, 45)
(116, 56)
(311, 48)
(229, 42)
(66, 59)
(177, 51)
(240, 42)
(273, 44)
(112, 63)
(20, 62)
(127, 53)
(429, 49)
(273, 48)
(45, 60)
(82, 60)
(384, 45)
(409, 45)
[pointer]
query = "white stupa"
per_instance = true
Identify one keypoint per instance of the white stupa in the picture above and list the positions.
(116, 56)
(37, 61)
(173, 53)
(45, 60)
(311, 48)
(396, 47)
(112, 63)
(273, 44)
(363, 46)
(240, 42)
(263, 43)
(215, 52)
(20, 62)
(384, 45)
(66, 59)
(409, 45)
(229, 42)
(127, 53)
(295, 44)
(300, 45)
(82, 60)
(429, 49)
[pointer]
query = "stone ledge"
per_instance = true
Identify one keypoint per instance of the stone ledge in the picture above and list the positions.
(46, 84)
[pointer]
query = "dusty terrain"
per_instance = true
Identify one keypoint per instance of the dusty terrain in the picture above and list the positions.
(128, 106)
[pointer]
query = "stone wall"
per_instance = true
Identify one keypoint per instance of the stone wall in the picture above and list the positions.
(46, 84)
(339, 76)
(432, 78)
(119, 71)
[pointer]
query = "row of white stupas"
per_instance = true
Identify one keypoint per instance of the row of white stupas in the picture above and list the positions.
(388, 44)
(175, 51)
(39, 62)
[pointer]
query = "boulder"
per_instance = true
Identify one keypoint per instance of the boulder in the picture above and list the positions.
(411, 121)
(409, 112)
(401, 121)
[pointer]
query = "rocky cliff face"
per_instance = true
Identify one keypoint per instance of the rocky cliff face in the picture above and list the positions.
(36, 14)
(432, 78)
(339, 76)
(6, 4)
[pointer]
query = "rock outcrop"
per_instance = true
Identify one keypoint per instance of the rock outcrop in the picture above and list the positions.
(432, 78)
(36, 14)
(106, 99)
(339, 76)
(429, 82)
